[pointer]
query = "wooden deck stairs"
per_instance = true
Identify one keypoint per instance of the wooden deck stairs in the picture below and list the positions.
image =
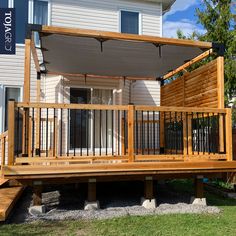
(8, 198)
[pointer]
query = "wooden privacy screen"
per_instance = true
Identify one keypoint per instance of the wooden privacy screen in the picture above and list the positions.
(202, 87)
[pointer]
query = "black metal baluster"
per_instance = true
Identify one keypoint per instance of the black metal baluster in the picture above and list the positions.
(94, 132)
(170, 133)
(87, 131)
(198, 141)
(148, 132)
(74, 130)
(106, 133)
(203, 132)
(176, 134)
(32, 132)
(186, 130)
(68, 132)
(112, 132)
(142, 135)
(218, 134)
(54, 132)
(154, 133)
(192, 135)
(118, 132)
(61, 133)
(40, 131)
(208, 131)
(159, 123)
(81, 133)
(136, 136)
(100, 129)
(47, 132)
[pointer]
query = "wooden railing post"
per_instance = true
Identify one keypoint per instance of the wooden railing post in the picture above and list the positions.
(229, 149)
(11, 132)
(131, 110)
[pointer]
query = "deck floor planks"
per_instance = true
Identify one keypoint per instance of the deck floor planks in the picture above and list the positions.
(8, 198)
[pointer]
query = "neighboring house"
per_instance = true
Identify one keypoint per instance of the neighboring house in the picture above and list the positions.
(126, 16)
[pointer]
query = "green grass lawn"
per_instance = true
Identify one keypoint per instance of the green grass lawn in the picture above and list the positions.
(220, 224)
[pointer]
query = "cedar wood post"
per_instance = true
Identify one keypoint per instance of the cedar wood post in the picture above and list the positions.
(220, 90)
(26, 96)
(131, 132)
(11, 132)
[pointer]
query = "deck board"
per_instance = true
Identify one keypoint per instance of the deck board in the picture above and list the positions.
(109, 169)
(8, 198)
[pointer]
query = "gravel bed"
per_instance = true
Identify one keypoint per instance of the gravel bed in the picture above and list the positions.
(67, 202)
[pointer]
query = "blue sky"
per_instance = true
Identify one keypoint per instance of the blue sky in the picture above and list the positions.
(182, 16)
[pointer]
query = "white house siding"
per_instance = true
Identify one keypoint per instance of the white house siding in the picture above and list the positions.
(105, 15)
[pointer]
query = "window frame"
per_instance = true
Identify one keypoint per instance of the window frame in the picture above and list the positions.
(3, 96)
(140, 28)
(31, 13)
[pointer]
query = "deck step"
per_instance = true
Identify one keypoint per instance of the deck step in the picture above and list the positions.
(8, 198)
(3, 181)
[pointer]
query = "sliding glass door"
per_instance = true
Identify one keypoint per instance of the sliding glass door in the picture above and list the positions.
(91, 129)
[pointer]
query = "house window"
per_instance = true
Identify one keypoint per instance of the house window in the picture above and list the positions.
(29, 11)
(10, 93)
(3, 3)
(129, 22)
(40, 15)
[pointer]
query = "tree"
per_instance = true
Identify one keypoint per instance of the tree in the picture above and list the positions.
(217, 19)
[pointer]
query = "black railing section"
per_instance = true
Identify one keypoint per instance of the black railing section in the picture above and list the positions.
(72, 132)
(18, 131)
(205, 133)
(173, 126)
(147, 132)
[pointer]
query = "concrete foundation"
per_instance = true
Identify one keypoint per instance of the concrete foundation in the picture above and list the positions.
(198, 201)
(37, 210)
(91, 205)
(148, 203)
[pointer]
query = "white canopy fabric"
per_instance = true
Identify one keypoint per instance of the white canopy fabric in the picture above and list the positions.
(87, 55)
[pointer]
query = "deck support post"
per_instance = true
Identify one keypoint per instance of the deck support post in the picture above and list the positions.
(199, 199)
(37, 195)
(92, 203)
(148, 201)
(199, 187)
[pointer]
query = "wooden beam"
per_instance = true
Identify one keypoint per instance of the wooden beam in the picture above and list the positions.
(229, 146)
(220, 81)
(187, 64)
(131, 133)
(91, 76)
(122, 36)
(11, 132)
(27, 70)
(35, 55)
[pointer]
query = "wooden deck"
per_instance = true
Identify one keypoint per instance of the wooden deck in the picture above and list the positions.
(30, 172)
(8, 197)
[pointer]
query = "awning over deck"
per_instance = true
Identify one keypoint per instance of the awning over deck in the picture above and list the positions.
(75, 51)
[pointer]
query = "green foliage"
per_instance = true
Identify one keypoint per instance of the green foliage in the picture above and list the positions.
(217, 19)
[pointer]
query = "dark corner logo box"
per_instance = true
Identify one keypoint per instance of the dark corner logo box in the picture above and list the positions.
(7, 31)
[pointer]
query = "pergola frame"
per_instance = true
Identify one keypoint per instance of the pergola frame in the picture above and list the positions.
(103, 36)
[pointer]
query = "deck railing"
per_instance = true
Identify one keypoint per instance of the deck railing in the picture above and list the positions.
(125, 133)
